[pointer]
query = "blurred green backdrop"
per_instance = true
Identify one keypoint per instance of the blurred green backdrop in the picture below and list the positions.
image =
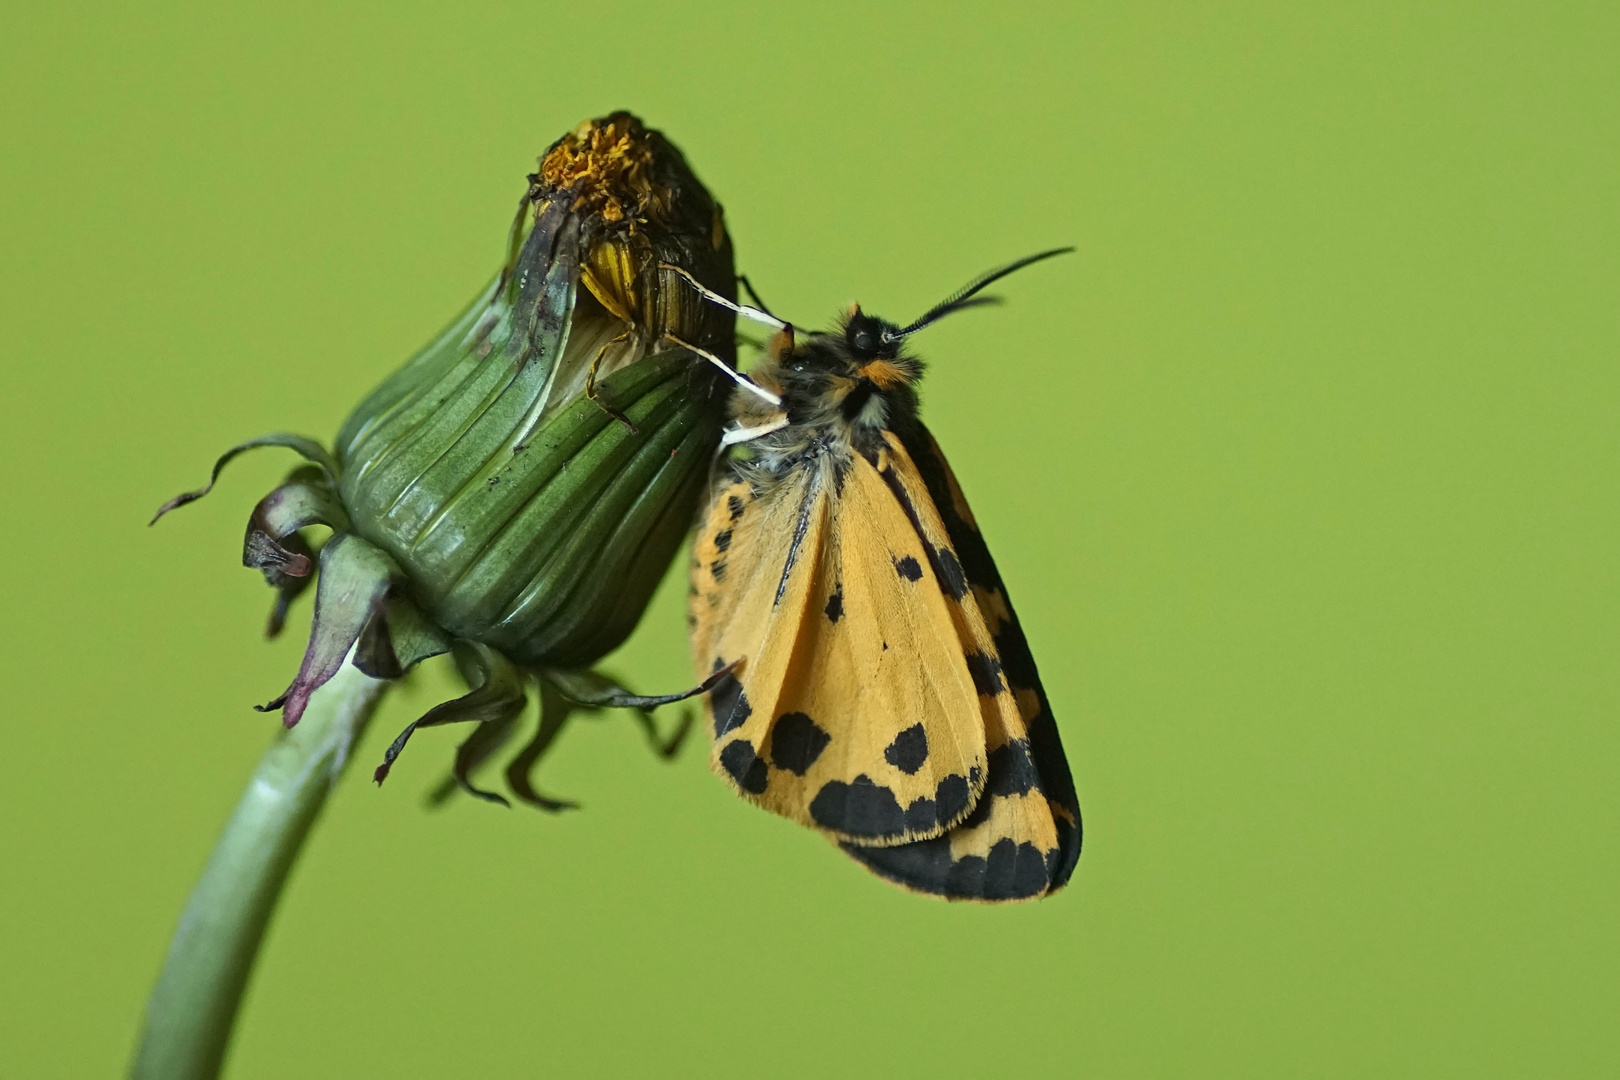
(1302, 474)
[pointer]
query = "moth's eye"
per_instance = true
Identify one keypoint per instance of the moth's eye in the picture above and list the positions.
(862, 335)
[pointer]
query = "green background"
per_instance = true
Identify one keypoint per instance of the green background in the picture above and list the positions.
(1302, 475)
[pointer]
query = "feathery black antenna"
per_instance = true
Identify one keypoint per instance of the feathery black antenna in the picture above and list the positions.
(963, 297)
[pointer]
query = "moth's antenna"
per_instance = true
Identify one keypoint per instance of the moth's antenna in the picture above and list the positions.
(713, 297)
(748, 286)
(963, 297)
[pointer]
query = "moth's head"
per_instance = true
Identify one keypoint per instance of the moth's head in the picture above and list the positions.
(861, 349)
(872, 351)
(856, 371)
(870, 338)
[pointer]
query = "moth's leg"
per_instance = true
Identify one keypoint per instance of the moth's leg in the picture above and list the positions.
(665, 747)
(733, 436)
(754, 314)
(742, 380)
(590, 383)
(589, 690)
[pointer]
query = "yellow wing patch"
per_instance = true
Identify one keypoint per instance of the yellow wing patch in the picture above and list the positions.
(853, 711)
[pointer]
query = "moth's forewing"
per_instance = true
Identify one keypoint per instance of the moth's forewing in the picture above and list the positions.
(1023, 838)
(852, 711)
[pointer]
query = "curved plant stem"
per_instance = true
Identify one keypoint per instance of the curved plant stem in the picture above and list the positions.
(192, 1008)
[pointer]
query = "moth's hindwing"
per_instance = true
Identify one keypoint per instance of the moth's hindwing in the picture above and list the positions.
(853, 710)
(1023, 838)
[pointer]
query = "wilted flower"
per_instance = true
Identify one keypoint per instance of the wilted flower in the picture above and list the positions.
(516, 491)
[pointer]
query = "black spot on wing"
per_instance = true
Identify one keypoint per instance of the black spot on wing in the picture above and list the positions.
(950, 799)
(952, 578)
(1013, 647)
(722, 540)
(744, 766)
(717, 570)
(734, 506)
(1013, 871)
(908, 568)
(909, 750)
(952, 795)
(728, 702)
(1011, 770)
(970, 548)
(986, 672)
(835, 605)
(860, 808)
(922, 815)
(796, 742)
(947, 569)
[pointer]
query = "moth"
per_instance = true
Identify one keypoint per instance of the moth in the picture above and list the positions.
(877, 686)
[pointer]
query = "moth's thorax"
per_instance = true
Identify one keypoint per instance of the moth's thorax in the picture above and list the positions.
(840, 391)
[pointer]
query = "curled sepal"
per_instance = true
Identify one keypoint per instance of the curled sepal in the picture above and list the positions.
(555, 709)
(496, 696)
(355, 579)
(485, 741)
(288, 586)
(272, 544)
(563, 693)
(397, 640)
(305, 499)
(309, 448)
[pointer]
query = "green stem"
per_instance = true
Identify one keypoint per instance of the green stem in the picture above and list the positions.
(189, 1017)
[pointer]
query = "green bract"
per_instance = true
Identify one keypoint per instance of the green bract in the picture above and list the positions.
(515, 492)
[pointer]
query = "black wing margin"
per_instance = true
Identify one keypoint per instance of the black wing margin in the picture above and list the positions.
(1010, 871)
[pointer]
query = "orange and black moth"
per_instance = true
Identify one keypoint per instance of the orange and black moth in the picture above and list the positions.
(877, 686)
